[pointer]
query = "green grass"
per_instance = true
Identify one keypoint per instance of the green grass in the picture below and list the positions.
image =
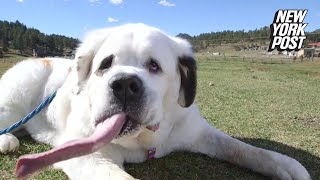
(9, 60)
(13, 55)
(274, 106)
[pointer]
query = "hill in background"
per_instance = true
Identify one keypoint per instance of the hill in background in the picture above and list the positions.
(257, 39)
(27, 41)
(316, 31)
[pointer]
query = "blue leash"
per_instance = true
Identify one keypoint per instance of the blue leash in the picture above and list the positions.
(34, 112)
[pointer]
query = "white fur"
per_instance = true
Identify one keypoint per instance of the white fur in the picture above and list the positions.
(83, 96)
(8, 142)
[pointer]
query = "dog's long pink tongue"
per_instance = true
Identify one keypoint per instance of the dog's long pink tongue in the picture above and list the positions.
(103, 134)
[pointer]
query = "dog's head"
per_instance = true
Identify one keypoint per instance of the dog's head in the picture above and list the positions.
(135, 69)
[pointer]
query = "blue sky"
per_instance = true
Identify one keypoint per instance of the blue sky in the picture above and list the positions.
(76, 17)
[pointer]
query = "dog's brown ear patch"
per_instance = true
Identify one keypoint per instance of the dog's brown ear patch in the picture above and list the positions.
(188, 73)
(84, 66)
(83, 70)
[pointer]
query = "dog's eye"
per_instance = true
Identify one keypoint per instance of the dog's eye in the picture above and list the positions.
(105, 64)
(154, 66)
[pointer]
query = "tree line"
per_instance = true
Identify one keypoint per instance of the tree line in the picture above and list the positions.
(240, 38)
(15, 35)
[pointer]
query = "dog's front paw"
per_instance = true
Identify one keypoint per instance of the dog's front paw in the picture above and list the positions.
(8, 143)
(290, 169)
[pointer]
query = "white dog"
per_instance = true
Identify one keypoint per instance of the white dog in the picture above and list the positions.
(138, 85)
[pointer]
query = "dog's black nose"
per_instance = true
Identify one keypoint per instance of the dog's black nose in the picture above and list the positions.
(126, 87)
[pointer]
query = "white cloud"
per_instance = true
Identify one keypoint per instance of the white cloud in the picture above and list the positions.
(166, 3)
(116, 2)
(111, 20)
(94, 2)
(20, 1)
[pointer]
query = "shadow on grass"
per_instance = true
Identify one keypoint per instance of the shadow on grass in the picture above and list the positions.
(186, 165)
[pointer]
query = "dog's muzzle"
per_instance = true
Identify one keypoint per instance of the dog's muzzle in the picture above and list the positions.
(126, 88)
(127, 93)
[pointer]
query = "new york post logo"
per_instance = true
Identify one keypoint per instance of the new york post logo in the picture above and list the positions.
(287, 30)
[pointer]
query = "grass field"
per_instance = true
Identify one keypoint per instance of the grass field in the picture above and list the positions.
(274, 106)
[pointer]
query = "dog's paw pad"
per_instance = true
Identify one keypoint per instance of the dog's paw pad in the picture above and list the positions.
(8, 143)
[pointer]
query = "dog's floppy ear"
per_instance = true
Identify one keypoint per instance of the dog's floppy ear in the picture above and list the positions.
(188, 73)
(85, 54)
(83, 66)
